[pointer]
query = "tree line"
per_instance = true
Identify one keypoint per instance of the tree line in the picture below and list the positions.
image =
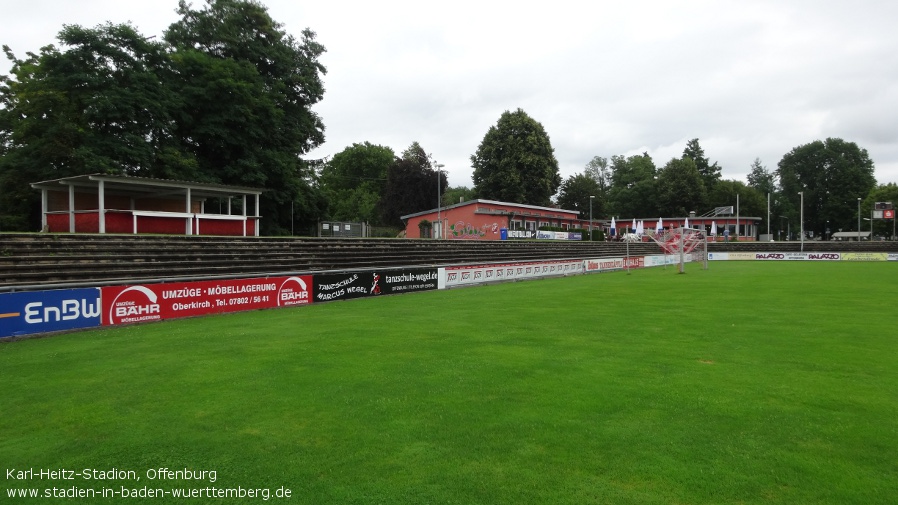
(226, 96)
(834, 178)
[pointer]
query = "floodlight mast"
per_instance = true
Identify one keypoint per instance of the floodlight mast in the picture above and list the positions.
(439, 201)
(801, 194)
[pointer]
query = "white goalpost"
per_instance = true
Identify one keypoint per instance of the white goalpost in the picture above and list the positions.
(686, 244)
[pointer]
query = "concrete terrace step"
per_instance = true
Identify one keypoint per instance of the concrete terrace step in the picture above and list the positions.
(45, 259)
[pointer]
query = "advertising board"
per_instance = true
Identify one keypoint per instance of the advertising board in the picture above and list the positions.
(608, 264)
(154, 302)
(660, 260)
(480, 274)
(865, 256)
(348, 285)
(409, 280)
(27, 312)
(559, 235)
(521, 234)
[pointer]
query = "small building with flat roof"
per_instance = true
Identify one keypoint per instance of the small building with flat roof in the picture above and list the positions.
(485, 220)
(100, 203)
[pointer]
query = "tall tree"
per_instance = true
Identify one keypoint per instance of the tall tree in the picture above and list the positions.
(832, 175)
(576, 192)
(226, 97)
(882, 193)
(710, 172)
(680, 188)
(457, 194)
(515, 162)
(99, 105)
(750, 201)
(411, 185)
(761, 179)
(248, 87)
(632, 189)
(598, 170)
(354, 180)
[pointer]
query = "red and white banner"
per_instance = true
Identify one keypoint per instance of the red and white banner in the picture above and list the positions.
(607, 264)
(153, 302)
(481, 274)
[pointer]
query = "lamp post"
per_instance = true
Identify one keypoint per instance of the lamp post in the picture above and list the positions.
(858, 219)
(591, 198)
(439, 201)
(801, 227)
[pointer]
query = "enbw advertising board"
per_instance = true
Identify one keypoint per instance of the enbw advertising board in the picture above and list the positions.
(28, 312)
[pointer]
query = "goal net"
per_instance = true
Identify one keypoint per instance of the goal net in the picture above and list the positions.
(684, 244)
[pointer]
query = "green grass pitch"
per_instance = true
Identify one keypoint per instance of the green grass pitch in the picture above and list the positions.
(745, 383)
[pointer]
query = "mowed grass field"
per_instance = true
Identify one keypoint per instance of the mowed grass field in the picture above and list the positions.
(745, 383)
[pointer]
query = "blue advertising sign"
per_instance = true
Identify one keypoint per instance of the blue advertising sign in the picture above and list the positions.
(27, 312)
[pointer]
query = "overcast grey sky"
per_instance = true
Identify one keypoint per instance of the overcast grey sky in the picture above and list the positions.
(749, 79)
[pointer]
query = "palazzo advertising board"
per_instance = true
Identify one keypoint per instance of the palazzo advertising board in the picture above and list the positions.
(348, 285)
(480, 274)
(154, 302)
(798, 256)
(27, 312)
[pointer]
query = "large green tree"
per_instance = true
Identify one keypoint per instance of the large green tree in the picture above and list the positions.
(248, 88)
(411, 185)
(632, 186)
(588, 190)
(581, 192)
(225, 97)
(457, 194)
(100, 105)
(882, 193)
(354, 181)
(515, 162)
(747, 201)
(763, 180)
(680, 188)
(709, 172)
(832, 175)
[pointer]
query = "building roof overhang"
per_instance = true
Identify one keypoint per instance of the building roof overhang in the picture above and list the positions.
(126, 185)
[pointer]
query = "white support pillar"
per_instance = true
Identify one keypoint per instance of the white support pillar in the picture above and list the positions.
(43, 209)
(102, 205)
(244, 215)
(256, 222)
(71, 209)
(189, 228)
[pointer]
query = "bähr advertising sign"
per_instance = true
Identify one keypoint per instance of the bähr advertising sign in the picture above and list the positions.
(154, 302)
(27, 312)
